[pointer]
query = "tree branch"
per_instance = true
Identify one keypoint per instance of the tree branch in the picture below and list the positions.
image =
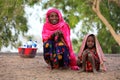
(96, 9)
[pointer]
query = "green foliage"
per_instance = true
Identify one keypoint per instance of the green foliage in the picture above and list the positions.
(12, 21)
(31, 2)
(9, 22)
(112, 13)
(81, 10)
(105, 42)
(77, 44)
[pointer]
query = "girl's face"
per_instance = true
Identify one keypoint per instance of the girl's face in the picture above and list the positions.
(90, 42)
(53, 18)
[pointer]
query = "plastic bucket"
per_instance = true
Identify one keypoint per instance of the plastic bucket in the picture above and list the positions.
(27, 52)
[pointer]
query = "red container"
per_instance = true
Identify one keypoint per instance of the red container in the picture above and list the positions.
(27, 52)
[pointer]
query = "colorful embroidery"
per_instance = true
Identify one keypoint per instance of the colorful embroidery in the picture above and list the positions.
(56, 55)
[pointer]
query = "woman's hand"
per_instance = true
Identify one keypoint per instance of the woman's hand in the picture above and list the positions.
(57, 33)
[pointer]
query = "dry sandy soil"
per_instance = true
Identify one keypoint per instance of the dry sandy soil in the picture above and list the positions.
(13, 67)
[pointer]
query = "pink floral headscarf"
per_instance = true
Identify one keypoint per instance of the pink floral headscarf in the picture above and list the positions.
(49, 29)
(98, 49)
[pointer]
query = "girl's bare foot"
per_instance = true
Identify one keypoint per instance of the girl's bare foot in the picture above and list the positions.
(81, 70)
(94, 71)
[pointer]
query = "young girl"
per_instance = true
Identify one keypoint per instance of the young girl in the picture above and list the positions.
(57, 46)
(91, 54)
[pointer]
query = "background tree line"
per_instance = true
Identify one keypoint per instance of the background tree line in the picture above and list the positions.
(104, 15)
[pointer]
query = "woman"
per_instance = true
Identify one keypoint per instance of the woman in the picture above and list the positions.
(57, 46)
(91, 54)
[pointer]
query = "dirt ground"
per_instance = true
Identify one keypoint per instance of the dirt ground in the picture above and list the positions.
(13, 67)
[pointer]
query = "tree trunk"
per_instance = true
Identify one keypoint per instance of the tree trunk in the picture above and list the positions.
(96, 9)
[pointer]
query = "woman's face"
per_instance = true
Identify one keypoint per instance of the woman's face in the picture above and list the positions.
(90, 42)
(53, 18)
